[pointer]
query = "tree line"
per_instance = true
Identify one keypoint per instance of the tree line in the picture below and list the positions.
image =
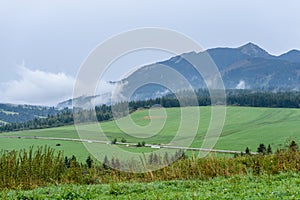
(105, 112)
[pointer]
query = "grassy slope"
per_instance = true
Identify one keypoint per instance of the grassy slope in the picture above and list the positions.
(244, 127)
(282, 186)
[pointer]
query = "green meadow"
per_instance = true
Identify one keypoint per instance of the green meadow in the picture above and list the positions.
(244, 127)
(281, 186)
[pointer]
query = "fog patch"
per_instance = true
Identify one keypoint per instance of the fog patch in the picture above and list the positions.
(241, 85)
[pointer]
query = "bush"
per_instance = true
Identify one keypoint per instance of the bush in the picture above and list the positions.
(114, 141)
(123, 140)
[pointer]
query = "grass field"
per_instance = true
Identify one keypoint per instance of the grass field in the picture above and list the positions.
(281, 186)
(244, 127)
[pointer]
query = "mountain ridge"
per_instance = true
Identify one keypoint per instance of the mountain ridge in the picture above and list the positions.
(245, 67)
(248, 63)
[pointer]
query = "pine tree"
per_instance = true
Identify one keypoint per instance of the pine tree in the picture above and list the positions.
(67, 162)
(247, 151)
(89, 162)
(106, 163)
(73, 161)
(269, 149)
(261, 149)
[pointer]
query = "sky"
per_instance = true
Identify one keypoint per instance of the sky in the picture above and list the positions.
(44, 43)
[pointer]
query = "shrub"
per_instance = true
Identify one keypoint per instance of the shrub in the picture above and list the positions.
(123, 140)
(114, 141)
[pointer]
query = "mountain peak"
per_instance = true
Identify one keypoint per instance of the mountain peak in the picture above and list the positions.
(292, 56)
(250, 45)
(293, 51)
(253, 50)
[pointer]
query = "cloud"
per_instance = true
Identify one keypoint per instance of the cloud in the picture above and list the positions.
(241, 85)
(37, 87)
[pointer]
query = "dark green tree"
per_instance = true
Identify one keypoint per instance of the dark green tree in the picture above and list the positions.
(67, 162)
(89, 162)
(114, 141)
(106, 163)
(73, 161)
(247, 151)
(261, 149)
(123, 140)
(269, 149)
(294, 146)
(139, 144)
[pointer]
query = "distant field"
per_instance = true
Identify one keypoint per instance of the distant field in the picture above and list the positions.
(8, 112)
(282, 186)
(244, 127)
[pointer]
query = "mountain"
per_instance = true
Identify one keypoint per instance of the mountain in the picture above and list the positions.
(253, 50)
(291, 56)
(245, 67)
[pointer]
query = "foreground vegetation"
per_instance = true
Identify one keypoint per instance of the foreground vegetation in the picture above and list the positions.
(280, 186)
(30, 169)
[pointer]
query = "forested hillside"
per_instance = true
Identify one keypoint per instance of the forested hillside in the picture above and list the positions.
(10, 113)
(103, 112)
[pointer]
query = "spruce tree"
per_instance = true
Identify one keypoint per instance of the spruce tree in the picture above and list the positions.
(106, 163)
(269, 149)
(247, 151)
(261, 149)
(89, 162)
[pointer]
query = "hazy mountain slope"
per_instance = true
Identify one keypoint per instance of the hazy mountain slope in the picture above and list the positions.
(291, 56)
(248, 66)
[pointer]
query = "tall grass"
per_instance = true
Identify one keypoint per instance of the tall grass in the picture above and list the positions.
(43, 166)
(27, 169)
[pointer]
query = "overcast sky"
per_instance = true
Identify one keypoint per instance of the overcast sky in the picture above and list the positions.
(43, 43)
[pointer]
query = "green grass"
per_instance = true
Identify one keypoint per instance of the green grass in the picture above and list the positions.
(244, 127)
(69, 148)
(281, 186)
(63, 132)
